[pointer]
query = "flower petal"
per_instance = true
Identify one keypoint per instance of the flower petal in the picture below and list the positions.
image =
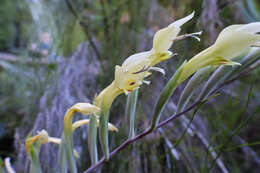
(251, 27)
(160, 70)
(79, 123)
(86, 108)
(138, 57)
(182, 21)
(146, 82)
(232, 41)
(163, 38)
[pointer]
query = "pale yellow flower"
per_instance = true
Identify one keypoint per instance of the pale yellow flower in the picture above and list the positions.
(44, 137)
(231, 42)
(79, 123)
(84, 108)
(135, 68)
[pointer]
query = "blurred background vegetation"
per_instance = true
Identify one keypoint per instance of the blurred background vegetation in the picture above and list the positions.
(54, 53)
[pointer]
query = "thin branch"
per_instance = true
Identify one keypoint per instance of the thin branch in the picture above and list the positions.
(84, 25)
(171, 118)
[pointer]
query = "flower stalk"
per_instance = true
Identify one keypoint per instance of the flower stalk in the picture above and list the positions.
(92, 140)
(85, 109)
(132, 97)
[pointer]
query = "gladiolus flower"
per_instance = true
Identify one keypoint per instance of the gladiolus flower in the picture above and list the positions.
(135, 68)
(231, 42)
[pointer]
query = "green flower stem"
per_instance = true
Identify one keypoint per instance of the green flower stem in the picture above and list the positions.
(104, 101)
(35, 165)
(103, 132)
(107, 96)
(131, 112)
(62, 156)
(92, 140)
(68, 145)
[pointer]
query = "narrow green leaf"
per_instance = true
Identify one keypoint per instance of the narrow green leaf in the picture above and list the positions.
(62, 156)
(165, 96)
(132, 100)
(92, 140)
(191, 87)
(68, 146)
(103, 131)
(34, 158)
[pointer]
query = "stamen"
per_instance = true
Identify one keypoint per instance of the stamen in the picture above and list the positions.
(158, 69)
(43, 136)
(146, 82)
(193, 35)
(172, 55)
(256, 45)
(145, 68)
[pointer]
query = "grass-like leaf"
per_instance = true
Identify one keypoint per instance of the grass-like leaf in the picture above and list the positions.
(92, 139)
(103, 131)
(165, 96)
(62, 156)
(34, 158)
(191, 86)
(132, 100)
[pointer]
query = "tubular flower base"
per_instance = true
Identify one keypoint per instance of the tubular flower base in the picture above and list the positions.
(231, 42)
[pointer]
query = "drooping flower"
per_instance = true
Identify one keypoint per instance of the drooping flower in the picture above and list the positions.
(85, 109)
(231, 42)
(43, 136)
(135, 68)
(79, 123)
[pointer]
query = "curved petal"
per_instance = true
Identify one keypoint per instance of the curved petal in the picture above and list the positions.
(79, 123)
(136, 58)
(182, 21)
(232, 41)
(163, 38)
(86, 108)
(250, 28)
